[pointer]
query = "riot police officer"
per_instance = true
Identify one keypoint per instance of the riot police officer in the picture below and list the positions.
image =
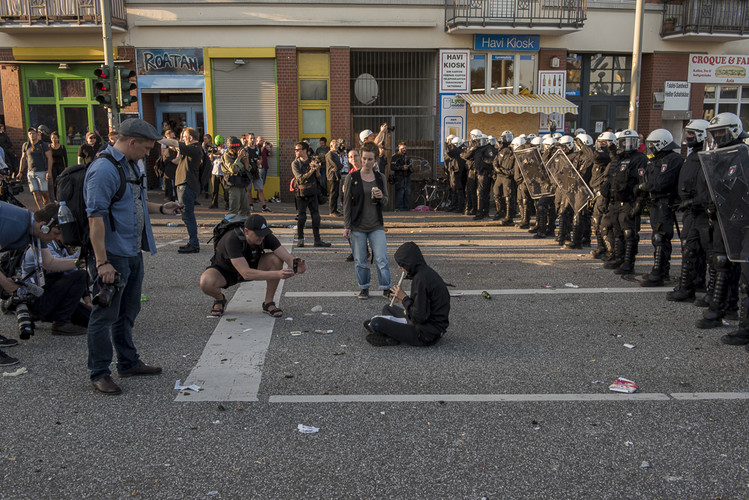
(599, 184)
(662, 175)
(624, 176)
(456, 167)
(468, 155)
(523, 196)
(483, 163)
(696, 232)
(504, 182)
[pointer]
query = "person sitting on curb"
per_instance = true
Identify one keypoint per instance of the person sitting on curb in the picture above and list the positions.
(240, 256)
(423, 317)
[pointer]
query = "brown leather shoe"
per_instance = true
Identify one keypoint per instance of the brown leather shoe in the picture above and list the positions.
(141, 369)
(68, 329)
(106, 385)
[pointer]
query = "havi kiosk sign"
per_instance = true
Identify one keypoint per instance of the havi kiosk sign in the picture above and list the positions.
(454, 71)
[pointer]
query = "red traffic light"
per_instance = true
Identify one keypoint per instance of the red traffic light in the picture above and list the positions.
(102, 73)
(105, 86)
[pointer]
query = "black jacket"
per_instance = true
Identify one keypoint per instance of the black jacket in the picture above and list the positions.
(428, 306)
(663, 175)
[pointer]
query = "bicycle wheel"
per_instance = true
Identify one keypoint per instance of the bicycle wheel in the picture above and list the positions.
(420, 200)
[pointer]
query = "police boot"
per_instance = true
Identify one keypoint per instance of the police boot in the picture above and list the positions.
(656, 275)
(507, 221)
(480, 215)
(707, 299)
(525, 216)
(541, 221)
(684, 290)
(576, 241)
(600, 250)
(551, 220)
(630, 250)
(713, 317)
(617, 257)
(501, 210)
(740, 336)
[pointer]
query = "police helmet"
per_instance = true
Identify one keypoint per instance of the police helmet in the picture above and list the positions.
(557, 135)
(723, 129)
(507, 137)
(628, 140)
(567, 142)
(658, 140)
(537, 142)
(491, 140)
(695, 132)
(579, 131)
(549, 142)
(585, 139)
(530, 137)
(457, 141)
(604, 140)
(517, 142)
(449, 138)
(476, 134)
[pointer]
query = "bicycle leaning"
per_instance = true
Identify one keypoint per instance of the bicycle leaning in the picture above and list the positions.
(434, 194)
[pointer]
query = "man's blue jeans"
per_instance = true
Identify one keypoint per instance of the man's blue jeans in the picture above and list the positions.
(378, 244)
(187, 197)
(113, 325)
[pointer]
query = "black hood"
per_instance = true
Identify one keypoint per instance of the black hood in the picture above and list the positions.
(409, 257)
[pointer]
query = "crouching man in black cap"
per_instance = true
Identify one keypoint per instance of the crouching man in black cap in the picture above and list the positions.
(240, 256)
(422, 318)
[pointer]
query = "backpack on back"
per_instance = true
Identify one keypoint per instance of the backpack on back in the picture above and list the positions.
(69, 188)
(223, 227)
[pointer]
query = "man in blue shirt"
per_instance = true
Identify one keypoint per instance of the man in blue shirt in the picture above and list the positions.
(119, 231)
(19, 228)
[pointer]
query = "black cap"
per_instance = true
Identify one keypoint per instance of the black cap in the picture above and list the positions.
(135, 127)
(258, 224)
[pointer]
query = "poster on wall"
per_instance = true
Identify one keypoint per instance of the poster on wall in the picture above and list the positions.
(454, 71)
(705, 68)
(452, 120)
(551, 82)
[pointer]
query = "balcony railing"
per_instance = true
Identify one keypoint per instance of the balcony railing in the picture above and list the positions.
(25, 13)
(706, 17)
(514, 13)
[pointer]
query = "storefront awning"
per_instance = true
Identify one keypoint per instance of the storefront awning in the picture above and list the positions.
(515, 103)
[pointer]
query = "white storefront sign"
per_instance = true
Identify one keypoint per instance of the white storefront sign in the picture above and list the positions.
(721, 68)
(551, 82)
(454, 71)
(676, 96)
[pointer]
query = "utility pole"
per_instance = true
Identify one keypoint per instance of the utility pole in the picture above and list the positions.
(634, 83)
(106, 30)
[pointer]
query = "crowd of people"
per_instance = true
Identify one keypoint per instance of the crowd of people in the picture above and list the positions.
(579, 188)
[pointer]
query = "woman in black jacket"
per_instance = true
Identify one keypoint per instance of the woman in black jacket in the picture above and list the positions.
(422, 318)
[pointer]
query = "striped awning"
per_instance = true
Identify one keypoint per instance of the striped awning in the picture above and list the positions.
(516, 103)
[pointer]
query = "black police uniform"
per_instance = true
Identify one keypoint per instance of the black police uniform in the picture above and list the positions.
(504, 184)
(483, 161)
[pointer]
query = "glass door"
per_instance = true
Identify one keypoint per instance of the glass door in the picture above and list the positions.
(75, 123)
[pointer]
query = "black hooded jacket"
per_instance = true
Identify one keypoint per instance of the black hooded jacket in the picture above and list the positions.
(428, 307)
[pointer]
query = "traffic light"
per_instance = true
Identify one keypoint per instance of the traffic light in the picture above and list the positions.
(103, 86)
(126, 86)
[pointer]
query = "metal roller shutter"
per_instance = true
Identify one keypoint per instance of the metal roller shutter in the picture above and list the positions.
(245, 99)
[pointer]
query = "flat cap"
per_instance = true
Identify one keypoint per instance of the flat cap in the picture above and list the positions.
(135, 127)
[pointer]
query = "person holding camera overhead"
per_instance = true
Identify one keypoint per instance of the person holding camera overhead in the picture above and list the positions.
(120, 230)
(236, 168)
(306, 172)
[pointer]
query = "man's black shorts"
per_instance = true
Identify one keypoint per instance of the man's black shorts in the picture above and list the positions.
(232, 278)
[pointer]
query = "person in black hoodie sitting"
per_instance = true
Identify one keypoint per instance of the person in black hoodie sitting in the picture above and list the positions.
(422, 319)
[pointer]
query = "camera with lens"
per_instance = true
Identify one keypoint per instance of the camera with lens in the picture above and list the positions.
(213, 149)
(25, 294)
(341, 146)
(107, 290)
(391, 128)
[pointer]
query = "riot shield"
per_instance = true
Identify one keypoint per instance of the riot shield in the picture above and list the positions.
(534, 173)
(569, 180)
(727, 174)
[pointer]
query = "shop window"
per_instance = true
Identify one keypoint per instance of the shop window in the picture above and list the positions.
(41, 88)
(76, 124)
(527, 72)
(314, 122)
(574, 74)
(73, 88)
(313, 90)
(503, 73)
(726, 99)
(478, 73)
(43, 114)
(609, 75)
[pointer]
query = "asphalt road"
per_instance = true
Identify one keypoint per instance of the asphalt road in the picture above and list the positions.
(512, 403)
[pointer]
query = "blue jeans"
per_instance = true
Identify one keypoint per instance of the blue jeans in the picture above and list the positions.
(187, 197)
(378, 244)
(402, 193)
(263, 174)
(113, 325)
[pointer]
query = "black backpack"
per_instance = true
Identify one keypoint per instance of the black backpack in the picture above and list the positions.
(69, 188)
(223, 227)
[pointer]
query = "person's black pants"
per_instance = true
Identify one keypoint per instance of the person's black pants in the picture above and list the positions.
(302, 204)
(405, 332)
(335, 187)
(62, 294)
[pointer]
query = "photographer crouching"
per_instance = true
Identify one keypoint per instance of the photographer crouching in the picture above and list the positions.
(18, 229)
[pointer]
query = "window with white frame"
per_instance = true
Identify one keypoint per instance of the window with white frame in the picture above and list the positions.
(726, 99)
(502, 73)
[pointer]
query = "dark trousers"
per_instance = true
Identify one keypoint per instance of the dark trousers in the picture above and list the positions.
(170, 191)
(62, 294)
(335, 188)
(483, 188)
(405, 332)
(471, 199)
(302, 204)
(662, 222)
(215, 190)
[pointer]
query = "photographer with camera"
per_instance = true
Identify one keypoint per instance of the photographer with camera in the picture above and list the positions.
(236, 168)
(400, 166)
(9, 187)
(120, 230)
(240, 256)
(306, 173)
(369, 136)
(333, 167)
(18, 229)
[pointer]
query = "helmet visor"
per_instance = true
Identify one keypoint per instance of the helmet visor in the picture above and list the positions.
(629, 143)
(718, 137)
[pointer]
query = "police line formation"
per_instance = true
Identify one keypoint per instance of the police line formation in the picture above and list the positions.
(602, 187)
